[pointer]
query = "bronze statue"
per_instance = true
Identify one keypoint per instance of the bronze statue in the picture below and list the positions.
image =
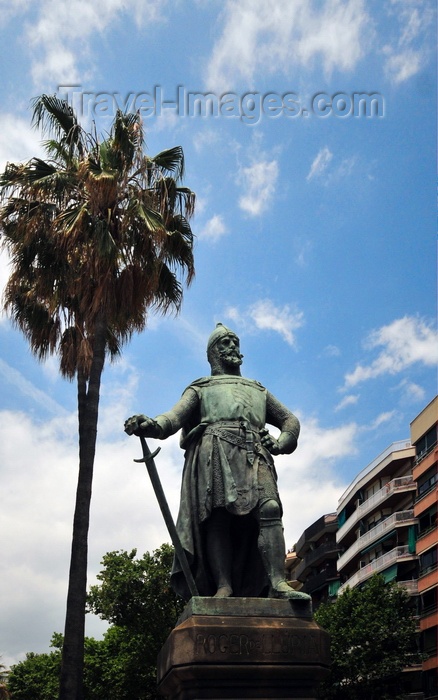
(229, 521)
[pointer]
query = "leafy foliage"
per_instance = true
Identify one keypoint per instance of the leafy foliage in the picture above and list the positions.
(37, 677)
(373, 638)
(135, 597)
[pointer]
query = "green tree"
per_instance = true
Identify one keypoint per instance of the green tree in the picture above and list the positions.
(98, 234)
(135, 597)
(373, 638)
(37, 677)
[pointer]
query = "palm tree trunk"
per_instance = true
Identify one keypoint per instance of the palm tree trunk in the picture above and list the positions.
(71, 684)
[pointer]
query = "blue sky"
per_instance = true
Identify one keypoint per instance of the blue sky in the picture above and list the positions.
(315, 242)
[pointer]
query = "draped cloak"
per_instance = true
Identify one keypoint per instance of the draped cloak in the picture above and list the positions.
(226, 467)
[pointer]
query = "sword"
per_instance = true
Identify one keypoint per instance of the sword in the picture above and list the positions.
(148, 459)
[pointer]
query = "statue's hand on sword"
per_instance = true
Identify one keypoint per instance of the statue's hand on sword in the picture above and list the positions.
(142, 426)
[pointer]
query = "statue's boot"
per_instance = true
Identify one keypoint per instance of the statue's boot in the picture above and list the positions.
(272, 549)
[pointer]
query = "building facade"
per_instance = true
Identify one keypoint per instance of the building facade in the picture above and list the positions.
(377, 522)
(317, 552)
(425, 473)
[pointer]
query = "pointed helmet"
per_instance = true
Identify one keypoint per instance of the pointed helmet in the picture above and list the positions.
(219, 332)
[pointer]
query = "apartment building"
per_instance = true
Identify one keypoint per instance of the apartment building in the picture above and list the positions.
(425, 473)
(377, 522)
(317, 552)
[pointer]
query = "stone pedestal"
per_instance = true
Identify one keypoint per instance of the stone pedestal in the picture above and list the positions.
(236, 648)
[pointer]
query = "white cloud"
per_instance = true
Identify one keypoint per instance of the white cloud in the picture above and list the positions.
(272, 36)
(258, 182)
(347, 401)
(405, 341)
(409, 51)
(9, 9)
(267, 316)
(25, 387)
(206, 138)
(320, 163)
(412, 391)
(213, 229)
(312, 463)
(59, 38)
(332, 351)
(19, 141)
(382, 418)
(403, 65)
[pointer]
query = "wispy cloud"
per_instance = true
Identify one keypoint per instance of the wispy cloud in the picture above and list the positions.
(412, 391)
(276, 36)
(320, 163)
(19, 141)
(332, 351)
(406, 341)
(267, 316)
(213, 229)
(59, 38)
(28, 389)
(382, 418)
(408, 52)
(258, 182)
(347, 401)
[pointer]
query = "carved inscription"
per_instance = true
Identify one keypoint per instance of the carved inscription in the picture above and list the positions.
(273, 644)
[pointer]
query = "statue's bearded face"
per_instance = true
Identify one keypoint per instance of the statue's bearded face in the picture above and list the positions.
(228, 350)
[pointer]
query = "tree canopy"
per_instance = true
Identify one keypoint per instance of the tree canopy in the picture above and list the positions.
(373, 638)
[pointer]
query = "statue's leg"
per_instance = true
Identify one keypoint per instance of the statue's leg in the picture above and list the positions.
(220, 551)
(272, 550)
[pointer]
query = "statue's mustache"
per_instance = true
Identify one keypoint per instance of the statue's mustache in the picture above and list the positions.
(234, 353)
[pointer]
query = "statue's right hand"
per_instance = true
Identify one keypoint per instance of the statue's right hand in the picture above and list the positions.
(142, 425)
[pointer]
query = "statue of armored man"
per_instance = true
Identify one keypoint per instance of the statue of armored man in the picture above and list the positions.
(229, 520)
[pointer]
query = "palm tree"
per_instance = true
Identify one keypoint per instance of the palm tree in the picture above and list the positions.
(98, 235)
(4, 694)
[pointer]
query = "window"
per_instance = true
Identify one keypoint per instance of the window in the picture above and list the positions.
(426, 442)
(429, 601)
(428, 561)
(427, 481)
(427, 521)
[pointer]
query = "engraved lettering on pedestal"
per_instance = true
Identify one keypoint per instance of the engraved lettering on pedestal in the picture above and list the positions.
(275, 644)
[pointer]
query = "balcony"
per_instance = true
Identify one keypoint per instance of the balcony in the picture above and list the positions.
(410, 587)
(324, 551)
(327, 523)
(394, 447)
(399, 485)
(380, 564)
(402, 517)
(317, 582)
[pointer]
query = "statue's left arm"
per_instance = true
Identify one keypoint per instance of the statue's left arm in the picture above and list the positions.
(278, 415)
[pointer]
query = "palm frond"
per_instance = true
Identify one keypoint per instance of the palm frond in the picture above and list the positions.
(149, 216)
(50, 114)
(171, 161)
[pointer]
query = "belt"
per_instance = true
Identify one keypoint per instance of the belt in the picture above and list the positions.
(247, 442)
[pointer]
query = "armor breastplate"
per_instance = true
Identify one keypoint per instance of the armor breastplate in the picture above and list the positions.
(230, 398)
